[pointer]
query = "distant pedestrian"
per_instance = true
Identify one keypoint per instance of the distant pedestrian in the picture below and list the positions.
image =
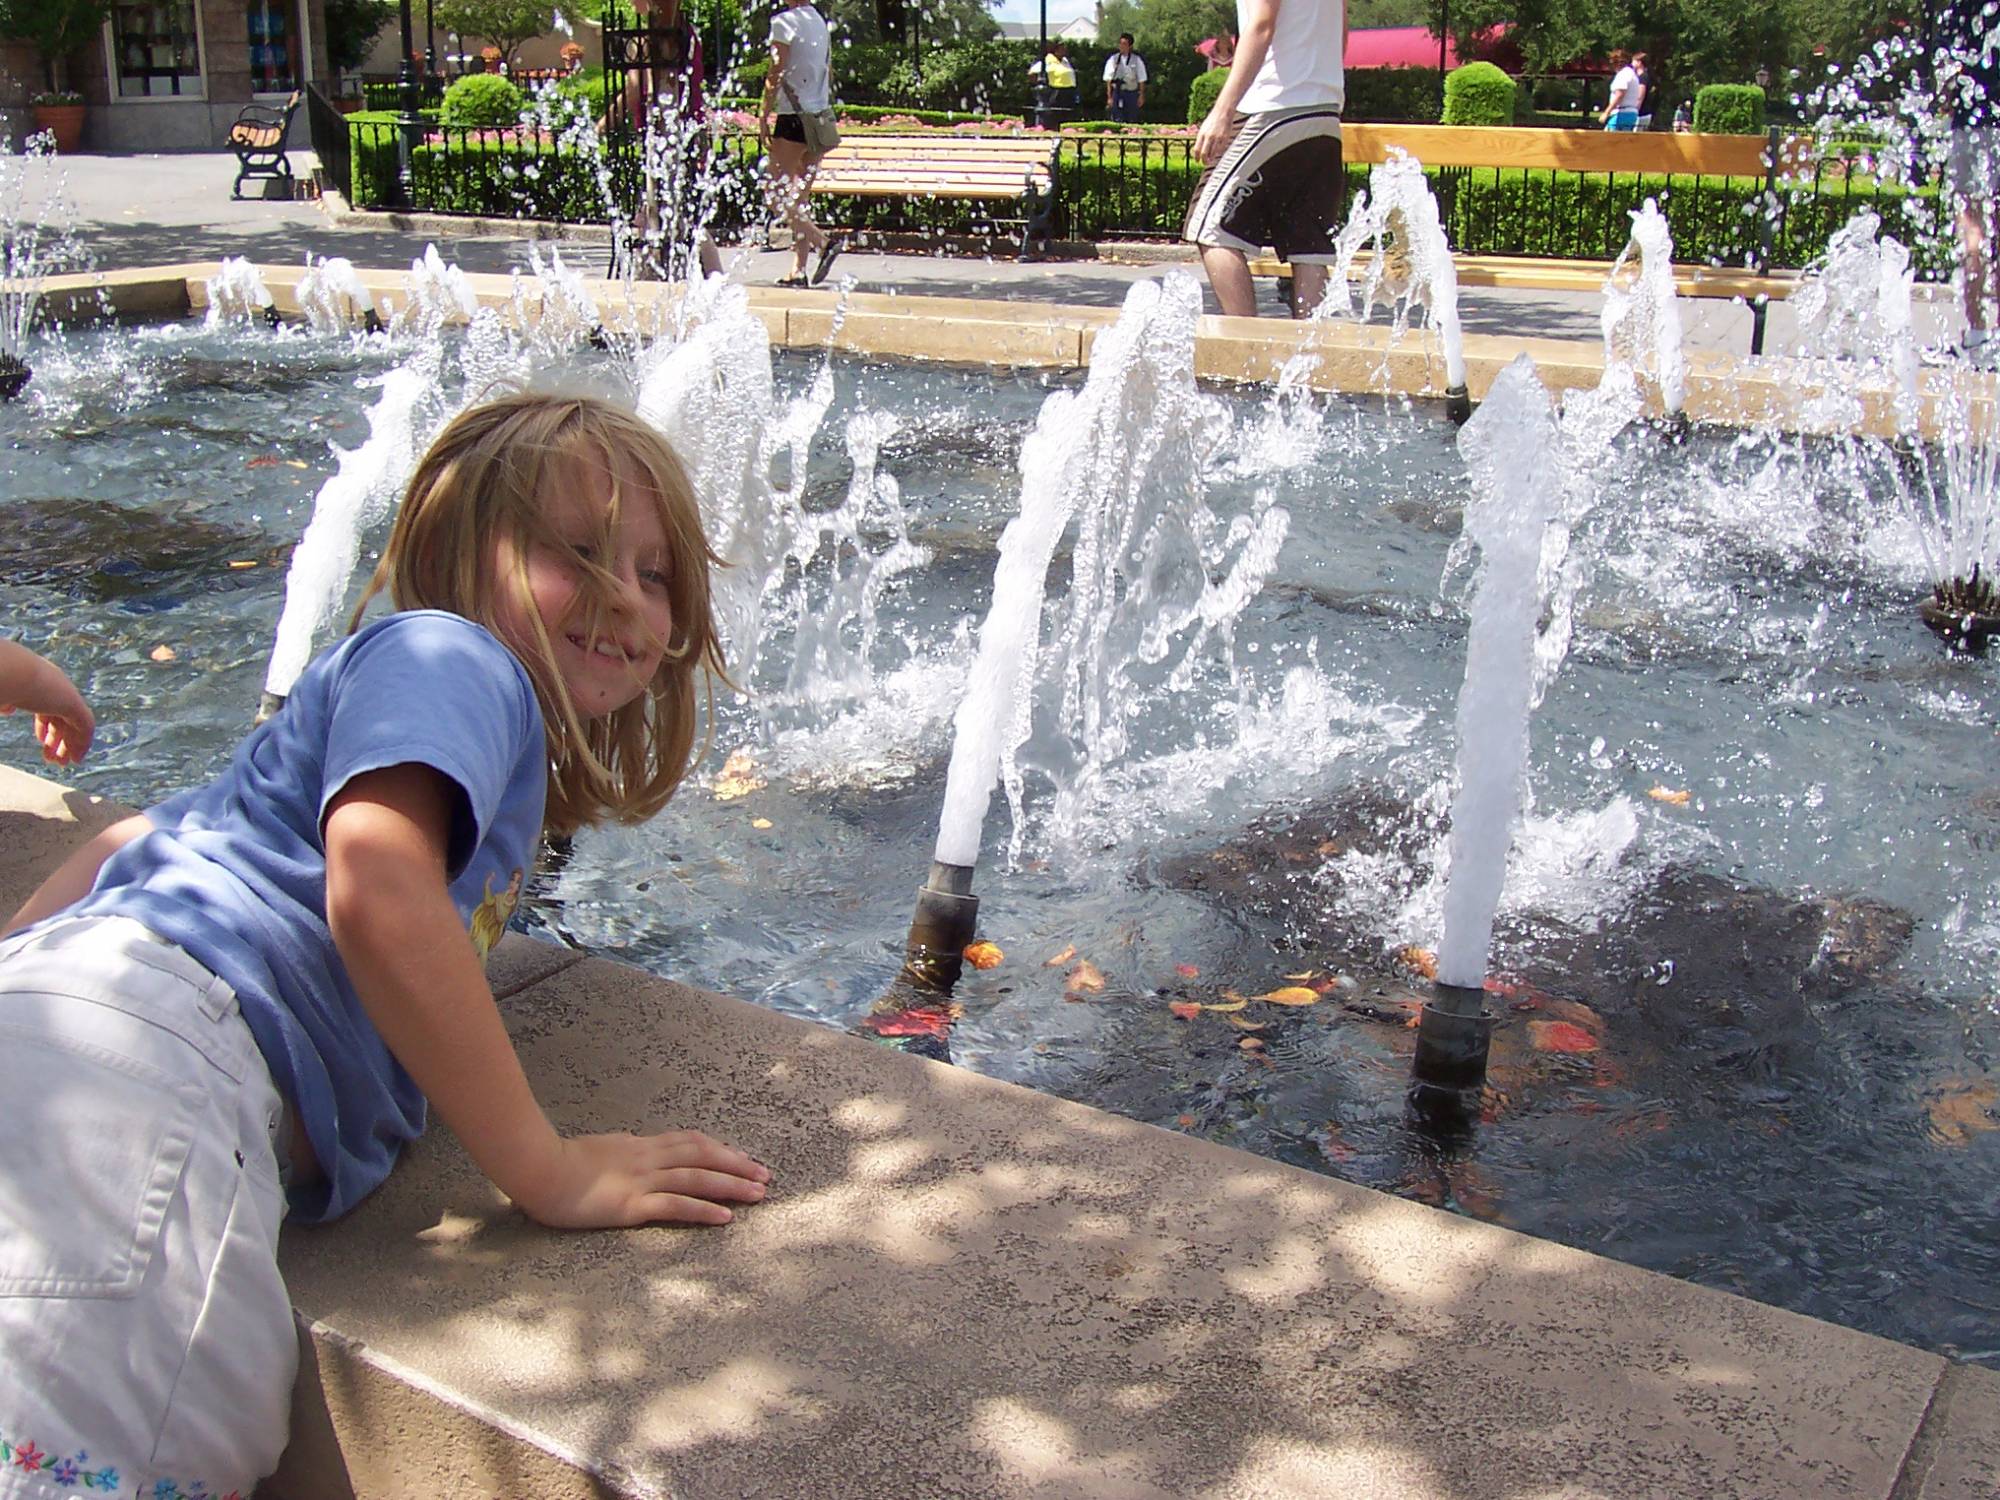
(1219, 50)
(1684, 117)
(1962, 54)
(1628, 91)
(1125, 82)
(801, 76)
(1270, 149)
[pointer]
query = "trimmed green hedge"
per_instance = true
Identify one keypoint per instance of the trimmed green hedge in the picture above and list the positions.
(481, 100)
(1478, 94)
(1202, 94)
(1729, 109)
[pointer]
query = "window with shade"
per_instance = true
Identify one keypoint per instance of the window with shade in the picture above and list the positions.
(155, 50)
(274, 46)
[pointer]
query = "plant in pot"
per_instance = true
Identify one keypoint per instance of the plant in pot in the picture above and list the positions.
(56, 29)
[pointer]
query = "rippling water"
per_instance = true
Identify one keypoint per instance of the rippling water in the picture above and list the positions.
(1756, 887)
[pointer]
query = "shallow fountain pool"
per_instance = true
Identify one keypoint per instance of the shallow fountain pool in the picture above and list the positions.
(1747, 938)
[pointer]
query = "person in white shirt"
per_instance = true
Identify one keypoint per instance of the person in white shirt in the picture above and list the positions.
(1270, 148)
(1125, 82)
(800, 82)
(1628, 91)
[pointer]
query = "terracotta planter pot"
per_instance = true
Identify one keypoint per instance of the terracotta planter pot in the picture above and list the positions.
(66, 121)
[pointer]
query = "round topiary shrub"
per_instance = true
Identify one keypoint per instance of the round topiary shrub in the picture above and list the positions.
(1478, 94)
(481, 101)
(1729, 109)
(1202, 93)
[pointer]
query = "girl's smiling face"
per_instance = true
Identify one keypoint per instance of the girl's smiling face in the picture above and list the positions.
(606, 656)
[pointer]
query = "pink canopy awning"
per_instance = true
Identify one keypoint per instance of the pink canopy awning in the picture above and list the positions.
(1407, 47)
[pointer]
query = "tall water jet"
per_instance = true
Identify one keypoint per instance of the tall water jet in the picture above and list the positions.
(334, 298)
(1953, 501)
(1641, 317)
(37, 240)
(1412, 267)
(1124, 457)
(1510, 447)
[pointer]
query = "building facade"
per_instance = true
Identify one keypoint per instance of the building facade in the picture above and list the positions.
(171, 75)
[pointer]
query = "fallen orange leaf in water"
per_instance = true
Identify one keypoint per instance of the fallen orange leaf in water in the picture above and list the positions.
(1226, 1006)
(1187, 971)
(1242, 1025)
(262, 461)
(163, 653)
(1292, 994)
(1559, 1036)
(1671, 797)
(1084, 977)
(242, 562)
(919, 1021)
(1303, 974)
(297, 463)
(738, 777)
(984, 955)
(1960, 1111)
(1420, 959)
(1187, 1010)
(1251, 1044)
(760, 822)
(1057, 960)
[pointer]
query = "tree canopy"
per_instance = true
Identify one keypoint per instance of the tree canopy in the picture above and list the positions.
(504, 23)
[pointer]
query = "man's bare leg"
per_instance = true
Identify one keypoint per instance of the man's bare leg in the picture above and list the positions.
(1229, 277)
(1308, 288)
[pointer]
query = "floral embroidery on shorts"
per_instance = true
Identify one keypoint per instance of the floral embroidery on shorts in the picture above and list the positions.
(73, 1472)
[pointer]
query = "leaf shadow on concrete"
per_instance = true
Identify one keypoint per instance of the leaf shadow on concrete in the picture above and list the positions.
(958, 1287)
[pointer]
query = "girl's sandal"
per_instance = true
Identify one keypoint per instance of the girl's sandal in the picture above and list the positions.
(794, 280)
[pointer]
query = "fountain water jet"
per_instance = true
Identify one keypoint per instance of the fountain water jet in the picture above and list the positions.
(1412, 266)
(1509, 447)
(1641, 317)
(39, 239)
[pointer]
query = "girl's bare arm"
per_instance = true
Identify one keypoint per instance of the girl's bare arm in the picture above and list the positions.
(421, 983)
(75, 876)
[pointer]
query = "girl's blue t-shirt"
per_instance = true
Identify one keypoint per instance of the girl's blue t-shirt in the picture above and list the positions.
(235, 872)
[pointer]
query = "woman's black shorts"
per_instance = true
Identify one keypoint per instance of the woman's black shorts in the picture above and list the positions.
(790, 128)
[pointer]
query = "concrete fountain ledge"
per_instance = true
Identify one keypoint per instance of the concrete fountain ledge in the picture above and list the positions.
(963, 1288)
(1749, 392)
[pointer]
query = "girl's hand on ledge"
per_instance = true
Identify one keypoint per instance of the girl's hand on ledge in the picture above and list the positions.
(617, 1181)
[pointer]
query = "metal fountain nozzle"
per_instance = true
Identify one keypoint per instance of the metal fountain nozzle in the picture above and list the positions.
(1454, 1035)
(267, 705)
(946, 918)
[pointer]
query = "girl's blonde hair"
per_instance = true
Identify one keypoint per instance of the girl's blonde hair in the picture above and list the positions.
(475, 507)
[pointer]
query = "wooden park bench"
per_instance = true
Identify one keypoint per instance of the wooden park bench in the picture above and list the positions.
(1018, 169)
(258, 139)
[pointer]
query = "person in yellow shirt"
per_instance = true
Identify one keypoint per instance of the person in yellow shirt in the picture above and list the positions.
(1058, 75)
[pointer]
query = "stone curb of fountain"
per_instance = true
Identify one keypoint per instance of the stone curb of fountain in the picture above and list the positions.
(968, 1288)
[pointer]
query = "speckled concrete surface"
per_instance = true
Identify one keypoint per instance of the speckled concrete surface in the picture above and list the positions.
(962, 1288)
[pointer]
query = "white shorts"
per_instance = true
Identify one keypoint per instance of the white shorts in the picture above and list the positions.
(146, 1341)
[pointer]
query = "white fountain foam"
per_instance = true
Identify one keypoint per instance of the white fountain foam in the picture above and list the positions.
(236, 293)
(355, 496)
(1412, 266)
(1855, 321)
(332, 295)
(1641, 318)
(435, 296)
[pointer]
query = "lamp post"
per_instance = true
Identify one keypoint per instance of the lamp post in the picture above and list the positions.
(409, 123)
(430, 42)
(1444, 41)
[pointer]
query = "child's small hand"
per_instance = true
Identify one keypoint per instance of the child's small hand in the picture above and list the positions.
(64, 723)
(614, 1181)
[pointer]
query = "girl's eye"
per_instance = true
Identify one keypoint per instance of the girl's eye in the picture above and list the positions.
(655, 578)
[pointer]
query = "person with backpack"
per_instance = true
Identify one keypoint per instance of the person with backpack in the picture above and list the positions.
(1124, 82)
(794, 139)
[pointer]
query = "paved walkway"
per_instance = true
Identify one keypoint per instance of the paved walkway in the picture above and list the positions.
(149, 210)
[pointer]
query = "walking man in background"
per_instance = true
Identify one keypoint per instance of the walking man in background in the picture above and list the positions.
(1270, 150)
(1125, 82)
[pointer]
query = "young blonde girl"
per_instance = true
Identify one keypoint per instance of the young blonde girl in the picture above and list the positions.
(244, 998)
